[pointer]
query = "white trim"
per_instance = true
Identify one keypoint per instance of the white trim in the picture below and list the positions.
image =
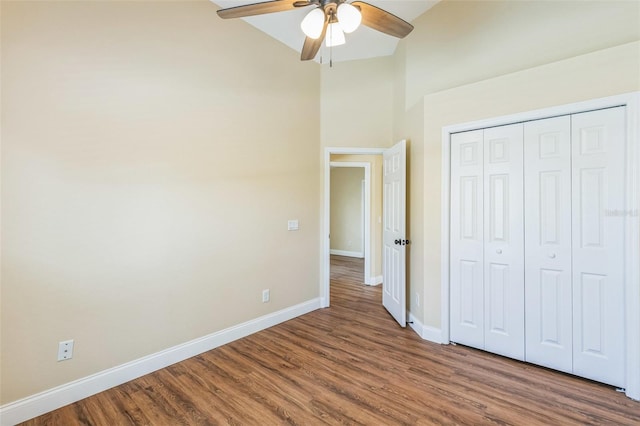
(538, 114)
(415, 324)
(52, 399)
(377, 280)
(365, 209)
(346, 253)
(325, 272)
(355, 151)
(366, 212)
(632, 203)
(445, 200)
(632, 249)
(325, 231)
(432, 334)
(426, 332)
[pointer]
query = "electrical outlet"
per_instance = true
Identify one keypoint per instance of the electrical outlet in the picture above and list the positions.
(265, 295)
(65, 350)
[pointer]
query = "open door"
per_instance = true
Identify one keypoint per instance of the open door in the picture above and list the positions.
(394, 244)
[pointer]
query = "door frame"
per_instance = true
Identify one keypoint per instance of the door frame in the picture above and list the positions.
(325, 273)
(365, 199)
(632, 219)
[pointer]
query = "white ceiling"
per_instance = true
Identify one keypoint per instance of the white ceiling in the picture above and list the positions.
(361, 44)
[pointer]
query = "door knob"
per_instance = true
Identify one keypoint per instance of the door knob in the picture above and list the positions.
(552, 255)
(499, 251)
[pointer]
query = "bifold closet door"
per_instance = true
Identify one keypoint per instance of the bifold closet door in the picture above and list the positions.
(598, 149)
(487, 272)
(504, 241)
(547, 218)
(467, 240)
(537, 242)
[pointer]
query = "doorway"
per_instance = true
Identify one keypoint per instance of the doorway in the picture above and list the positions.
(370, 161)
(392, 242)
(350, 212)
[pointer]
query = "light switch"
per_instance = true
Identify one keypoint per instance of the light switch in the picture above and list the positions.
(292, 225)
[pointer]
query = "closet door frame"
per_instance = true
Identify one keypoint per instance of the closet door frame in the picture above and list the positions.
(631, 215)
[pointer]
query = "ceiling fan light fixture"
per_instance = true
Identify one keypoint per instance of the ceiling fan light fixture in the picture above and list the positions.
(323, 17)
(335, 35)
(349, 17)
(313, 23)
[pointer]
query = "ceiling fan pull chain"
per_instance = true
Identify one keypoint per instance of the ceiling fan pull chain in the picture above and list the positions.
(330, 56)
(331, 37)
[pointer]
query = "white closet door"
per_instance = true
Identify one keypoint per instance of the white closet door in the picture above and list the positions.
(503, 241)
(598, 147)
(466, 260)
(547, 218)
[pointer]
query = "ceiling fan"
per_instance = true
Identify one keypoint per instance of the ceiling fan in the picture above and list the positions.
(329, 20)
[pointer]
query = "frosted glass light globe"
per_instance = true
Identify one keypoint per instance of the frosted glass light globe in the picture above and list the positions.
(313, 23)
(335, 35)
(349, 17)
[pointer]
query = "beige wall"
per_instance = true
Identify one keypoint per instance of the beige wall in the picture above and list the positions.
(356, 104)
(460, 42)
(151, 157)
(347, 224)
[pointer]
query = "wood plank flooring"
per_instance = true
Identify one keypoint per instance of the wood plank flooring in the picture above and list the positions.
(349, 364)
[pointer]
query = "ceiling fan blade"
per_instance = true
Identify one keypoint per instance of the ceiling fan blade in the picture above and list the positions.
(258, 8)
(311, 45)
(305, 3)
(383, 21)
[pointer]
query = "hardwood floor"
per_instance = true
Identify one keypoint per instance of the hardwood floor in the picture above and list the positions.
(349, 364)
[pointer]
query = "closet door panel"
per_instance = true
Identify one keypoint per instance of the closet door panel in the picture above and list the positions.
(547, 218)
(598, 146)
(503, 242)
(466, 260)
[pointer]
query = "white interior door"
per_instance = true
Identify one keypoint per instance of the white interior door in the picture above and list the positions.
(598, 149)
(394, 228)
(547, 218)
(503, 241)
(467, 240)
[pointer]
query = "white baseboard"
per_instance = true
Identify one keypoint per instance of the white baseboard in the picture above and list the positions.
(415, 324)
(426, 332)
(49, 400)
(432, 334)
(346, 253)
(324, 302)
(377, 280)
